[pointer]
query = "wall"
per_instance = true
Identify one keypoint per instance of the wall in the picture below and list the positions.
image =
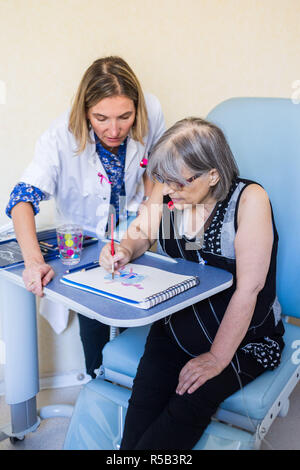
(191, 53)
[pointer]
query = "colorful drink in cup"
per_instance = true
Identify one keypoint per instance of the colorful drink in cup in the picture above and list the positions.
(69, 240)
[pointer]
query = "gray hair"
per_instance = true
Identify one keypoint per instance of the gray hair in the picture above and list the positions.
(197, 145)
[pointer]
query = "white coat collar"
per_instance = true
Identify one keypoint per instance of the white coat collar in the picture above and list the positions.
(133, 148)
(91, 155)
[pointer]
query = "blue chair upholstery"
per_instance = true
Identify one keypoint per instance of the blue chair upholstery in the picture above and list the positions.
(264, 135)
(98, 419)
(253, 408)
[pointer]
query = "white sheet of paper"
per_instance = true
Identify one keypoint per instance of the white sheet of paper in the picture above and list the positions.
(134, 282)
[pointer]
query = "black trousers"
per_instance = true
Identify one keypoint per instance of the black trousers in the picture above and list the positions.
(94, 336)
(158, 418)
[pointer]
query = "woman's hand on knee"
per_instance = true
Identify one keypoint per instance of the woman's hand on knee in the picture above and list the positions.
(196, 372)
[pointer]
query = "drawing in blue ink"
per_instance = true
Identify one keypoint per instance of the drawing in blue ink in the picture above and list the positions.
(127, 277)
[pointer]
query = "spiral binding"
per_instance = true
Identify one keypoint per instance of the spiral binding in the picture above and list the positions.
(167, 294)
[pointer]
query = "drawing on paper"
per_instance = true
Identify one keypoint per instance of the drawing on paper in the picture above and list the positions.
(127, 277)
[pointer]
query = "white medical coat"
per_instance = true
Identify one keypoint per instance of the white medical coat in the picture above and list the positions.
(72, 179)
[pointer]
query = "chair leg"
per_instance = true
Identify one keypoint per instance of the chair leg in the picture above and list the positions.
(121, 420)
(258, 440)
(284, 408)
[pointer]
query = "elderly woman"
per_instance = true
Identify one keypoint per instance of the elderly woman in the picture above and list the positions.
(197, 357)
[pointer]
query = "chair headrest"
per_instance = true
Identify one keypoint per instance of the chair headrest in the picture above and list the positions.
(264, 136)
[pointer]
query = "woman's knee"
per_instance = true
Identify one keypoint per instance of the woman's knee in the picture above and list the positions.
(194, 409)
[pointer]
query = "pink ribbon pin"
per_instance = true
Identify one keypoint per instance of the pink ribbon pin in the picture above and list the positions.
(144, 163)
(171, 205)
(102, 177)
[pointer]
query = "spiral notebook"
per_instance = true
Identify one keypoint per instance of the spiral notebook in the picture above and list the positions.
(137, 285)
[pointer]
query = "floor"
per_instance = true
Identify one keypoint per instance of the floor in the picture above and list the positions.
(283, 435)
(51, 433)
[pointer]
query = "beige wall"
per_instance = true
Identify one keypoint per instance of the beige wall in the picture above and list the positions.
(191, 53)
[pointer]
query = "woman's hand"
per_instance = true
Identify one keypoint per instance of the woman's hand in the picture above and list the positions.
(36, 276)
(197, 371)
(121, 257)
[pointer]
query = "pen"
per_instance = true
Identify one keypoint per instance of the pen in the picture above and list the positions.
(47, 244)
(112, 245)
(84, 267)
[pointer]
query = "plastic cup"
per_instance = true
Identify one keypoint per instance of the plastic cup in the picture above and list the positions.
(69, 240)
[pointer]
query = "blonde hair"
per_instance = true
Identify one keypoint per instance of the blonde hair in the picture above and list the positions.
(107, 77)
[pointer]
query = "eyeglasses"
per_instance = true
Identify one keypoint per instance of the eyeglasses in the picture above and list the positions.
(175, 184)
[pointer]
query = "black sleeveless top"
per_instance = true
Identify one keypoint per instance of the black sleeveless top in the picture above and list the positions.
(195, 327)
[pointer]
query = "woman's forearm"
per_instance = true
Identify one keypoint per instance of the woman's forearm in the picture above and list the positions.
(234, 325)
(142, 232)
(136, 242)
(25, 230)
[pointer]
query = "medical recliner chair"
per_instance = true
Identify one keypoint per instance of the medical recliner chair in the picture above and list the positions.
(264, 135)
